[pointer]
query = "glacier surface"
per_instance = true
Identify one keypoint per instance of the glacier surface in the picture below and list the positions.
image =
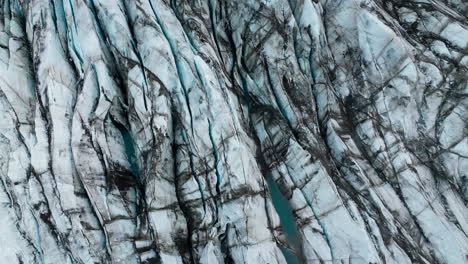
(244, 131)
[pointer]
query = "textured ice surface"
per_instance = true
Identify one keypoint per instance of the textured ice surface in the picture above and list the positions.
(247, 131)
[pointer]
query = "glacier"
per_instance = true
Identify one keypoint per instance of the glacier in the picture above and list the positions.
(246, 131)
